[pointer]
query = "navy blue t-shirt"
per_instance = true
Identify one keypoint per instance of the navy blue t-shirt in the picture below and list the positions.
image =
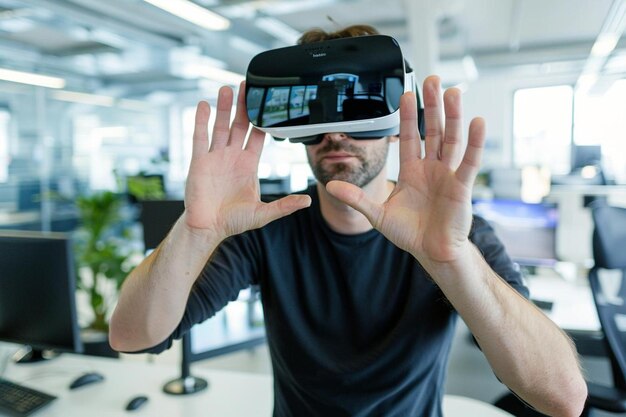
(355, 327)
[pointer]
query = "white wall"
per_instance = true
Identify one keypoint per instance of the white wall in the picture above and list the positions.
(491, 97)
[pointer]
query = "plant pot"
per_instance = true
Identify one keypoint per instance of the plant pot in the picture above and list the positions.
(96, 343)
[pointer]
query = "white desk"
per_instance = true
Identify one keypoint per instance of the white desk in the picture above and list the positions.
(573, 310)
(573, 307)
(230, 394)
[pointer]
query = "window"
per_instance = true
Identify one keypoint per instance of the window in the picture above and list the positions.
(542, 127)
(181, 142)
(109, 145)
(599, 120)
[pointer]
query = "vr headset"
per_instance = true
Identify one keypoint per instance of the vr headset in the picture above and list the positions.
(349, 85)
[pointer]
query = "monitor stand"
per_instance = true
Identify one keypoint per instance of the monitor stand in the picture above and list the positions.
(186, 384)
(31, 355)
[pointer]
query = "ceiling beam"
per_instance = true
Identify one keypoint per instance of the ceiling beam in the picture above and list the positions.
(97, 20)
(608, 38)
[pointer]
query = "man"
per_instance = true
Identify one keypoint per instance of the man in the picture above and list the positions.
(360, 290)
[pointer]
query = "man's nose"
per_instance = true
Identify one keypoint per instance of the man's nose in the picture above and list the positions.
(335, 136)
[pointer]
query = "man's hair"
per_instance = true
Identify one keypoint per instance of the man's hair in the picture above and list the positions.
(319, 35)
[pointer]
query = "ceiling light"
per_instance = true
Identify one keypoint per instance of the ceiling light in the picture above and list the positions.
(585, 82)
(83, 98)
(136, 105)
(610, 33)
(193, 13)
(31, 79)
(605, 44)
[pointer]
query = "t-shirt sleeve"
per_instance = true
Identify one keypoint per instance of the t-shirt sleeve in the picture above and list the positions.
(233, 267)
(484, 237)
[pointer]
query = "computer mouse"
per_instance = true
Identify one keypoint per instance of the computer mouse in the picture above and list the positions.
(86, 379)
(136, 402)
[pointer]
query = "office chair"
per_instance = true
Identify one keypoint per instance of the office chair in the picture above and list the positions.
(609, 241)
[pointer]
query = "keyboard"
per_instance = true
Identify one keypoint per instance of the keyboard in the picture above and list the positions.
(20, 401)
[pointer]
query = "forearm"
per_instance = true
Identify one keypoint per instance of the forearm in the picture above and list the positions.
(526, 350)
(153, 298)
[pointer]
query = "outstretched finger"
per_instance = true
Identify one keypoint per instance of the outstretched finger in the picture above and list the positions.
(410, 147)
(239, 128)
(356, 198)
(221, 129)
(200, 131)
(471, 160)
(433, 107)
(452, 146)
(269, 212)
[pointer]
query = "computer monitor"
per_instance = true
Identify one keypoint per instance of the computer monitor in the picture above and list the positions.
(157, 218)
(528, 231)
(37, 293)
(145, 187)
(585, 155)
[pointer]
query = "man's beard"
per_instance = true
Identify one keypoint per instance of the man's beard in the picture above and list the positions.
(359, 175)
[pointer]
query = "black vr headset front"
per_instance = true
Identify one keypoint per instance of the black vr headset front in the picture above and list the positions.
(349, 85)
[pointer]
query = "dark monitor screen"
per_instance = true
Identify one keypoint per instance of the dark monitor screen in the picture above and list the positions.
(157, 218)
(528, 231)
(37, 291)
(586, 155)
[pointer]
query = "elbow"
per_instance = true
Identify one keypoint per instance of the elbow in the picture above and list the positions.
(127, 339)
(116, 337)
(567, 399)
(122, 338)
(579, 398)
(115, 343)
(573, 398)
(124, 342)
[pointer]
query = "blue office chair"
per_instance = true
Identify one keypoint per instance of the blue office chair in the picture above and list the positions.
(609, 253)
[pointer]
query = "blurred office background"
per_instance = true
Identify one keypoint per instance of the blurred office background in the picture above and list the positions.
(95, 94)
(92, 92)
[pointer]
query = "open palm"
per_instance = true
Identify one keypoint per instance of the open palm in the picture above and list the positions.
(429, 212)
(222, 190)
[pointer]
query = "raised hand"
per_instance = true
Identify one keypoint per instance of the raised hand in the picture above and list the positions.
(429, 212)
(222, 190)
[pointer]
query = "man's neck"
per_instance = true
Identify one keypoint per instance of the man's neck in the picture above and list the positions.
(344, 219)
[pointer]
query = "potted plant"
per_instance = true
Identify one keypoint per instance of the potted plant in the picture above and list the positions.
(104, 258)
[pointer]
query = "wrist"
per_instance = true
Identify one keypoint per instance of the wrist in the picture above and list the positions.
(203, 238)
(464, 259)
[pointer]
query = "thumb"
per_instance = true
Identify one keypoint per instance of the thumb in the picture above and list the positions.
(282, 207)
(356, 198)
